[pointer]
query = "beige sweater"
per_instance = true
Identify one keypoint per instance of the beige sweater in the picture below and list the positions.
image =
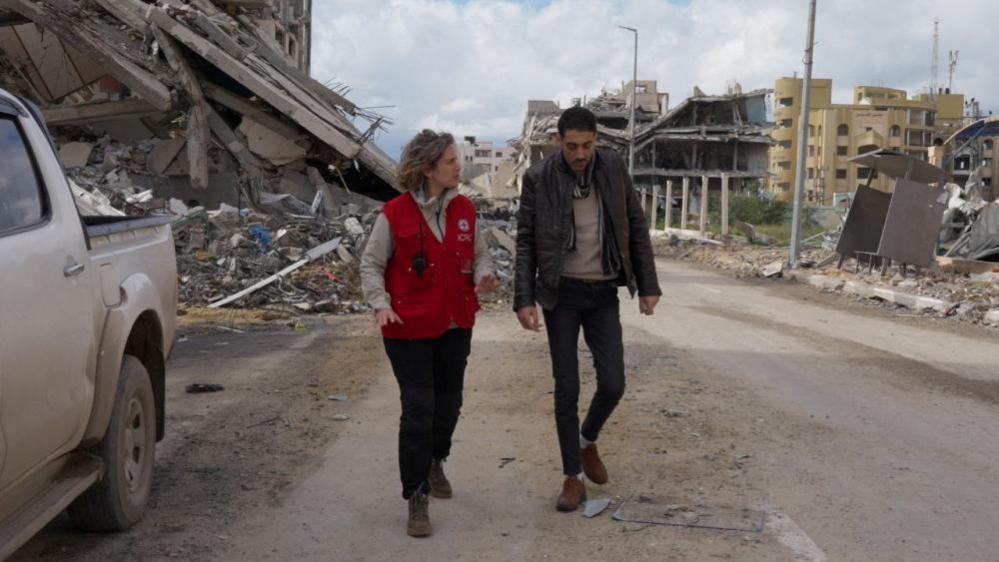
(381, 246)
(586, 261)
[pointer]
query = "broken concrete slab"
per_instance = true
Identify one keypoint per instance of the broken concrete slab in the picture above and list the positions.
(129, 131)
(75, 154)
(992, 317)
(297, 185)
(270, 145)
(163, 155)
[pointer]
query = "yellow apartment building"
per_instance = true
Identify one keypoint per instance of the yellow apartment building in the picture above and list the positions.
(876, 118)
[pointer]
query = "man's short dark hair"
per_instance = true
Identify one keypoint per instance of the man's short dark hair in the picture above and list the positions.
(577, 119)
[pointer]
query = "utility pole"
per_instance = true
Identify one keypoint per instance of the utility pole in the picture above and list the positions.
(953, 66)
(799, 178)
(935, 65)
(634, 102)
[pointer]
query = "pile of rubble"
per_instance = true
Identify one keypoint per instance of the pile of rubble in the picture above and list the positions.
(971, 221)
(968, 289)
(204, 110)
(254, 260)
(497, 223)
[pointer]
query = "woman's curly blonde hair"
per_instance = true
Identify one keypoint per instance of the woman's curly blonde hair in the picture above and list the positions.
(421, 154)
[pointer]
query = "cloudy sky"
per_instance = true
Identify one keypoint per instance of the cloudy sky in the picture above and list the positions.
(469, 66)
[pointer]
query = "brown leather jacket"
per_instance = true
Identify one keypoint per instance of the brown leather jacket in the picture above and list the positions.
(544, 222)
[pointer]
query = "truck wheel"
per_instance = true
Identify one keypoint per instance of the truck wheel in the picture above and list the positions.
(119, 499)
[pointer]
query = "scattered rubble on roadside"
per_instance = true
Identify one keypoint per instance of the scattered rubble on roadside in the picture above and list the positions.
(970, 287)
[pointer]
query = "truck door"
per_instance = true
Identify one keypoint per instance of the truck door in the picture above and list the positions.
(46, 305)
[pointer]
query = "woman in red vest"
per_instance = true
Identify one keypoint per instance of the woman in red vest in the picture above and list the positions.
(421, 271)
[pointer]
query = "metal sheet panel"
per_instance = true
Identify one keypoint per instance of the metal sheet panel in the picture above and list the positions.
(865, 222)
(912, 225)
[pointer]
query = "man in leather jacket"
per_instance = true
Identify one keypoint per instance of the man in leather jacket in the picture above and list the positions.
(581, 234)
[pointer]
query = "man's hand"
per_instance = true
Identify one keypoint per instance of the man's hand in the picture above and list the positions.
(528, 316)
(487, 285)
(647, 305)
(386, 316)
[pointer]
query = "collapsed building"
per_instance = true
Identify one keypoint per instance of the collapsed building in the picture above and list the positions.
(717, 142)
(704, 136)
(177, 108)
(221, 89)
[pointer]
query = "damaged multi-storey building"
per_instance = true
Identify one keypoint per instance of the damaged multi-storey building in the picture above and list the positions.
(717, 142)
(216, 94)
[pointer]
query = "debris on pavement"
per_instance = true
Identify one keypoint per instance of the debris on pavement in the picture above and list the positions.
(337, 397)
(198, 388)
(646, 510)
(595, 507)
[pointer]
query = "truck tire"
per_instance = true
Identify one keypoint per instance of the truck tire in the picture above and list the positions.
(118, 500)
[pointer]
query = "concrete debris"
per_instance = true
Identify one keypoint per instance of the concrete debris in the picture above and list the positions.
(270, 145)
(250, 259)
(75, 154)
(749, 231)
(497, 224)
(773, 269)
(338, 397)
(952, 287)
(595, 507)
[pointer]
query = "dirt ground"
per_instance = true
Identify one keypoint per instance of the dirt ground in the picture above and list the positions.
(860, 437)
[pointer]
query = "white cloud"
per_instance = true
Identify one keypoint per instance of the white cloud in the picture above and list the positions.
(471, 67)
(460, 105)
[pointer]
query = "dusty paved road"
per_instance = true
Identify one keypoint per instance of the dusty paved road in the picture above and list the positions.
(868, 438)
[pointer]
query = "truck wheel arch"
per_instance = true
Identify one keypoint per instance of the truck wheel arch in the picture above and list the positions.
(145, 343)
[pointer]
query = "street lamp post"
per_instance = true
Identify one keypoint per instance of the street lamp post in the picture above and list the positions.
(634, 102)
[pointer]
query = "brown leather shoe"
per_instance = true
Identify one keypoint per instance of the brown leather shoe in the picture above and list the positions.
(593, 467)
(573, 494)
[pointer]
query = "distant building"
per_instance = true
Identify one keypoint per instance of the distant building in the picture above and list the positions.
(290, 24)
(877, 117)
(613, 109)
(482, 162)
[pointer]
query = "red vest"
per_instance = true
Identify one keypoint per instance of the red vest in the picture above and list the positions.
(445, 293)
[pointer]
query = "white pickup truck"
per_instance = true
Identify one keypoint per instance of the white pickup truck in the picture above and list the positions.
(87, 319)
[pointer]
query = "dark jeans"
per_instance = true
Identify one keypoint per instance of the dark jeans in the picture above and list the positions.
(431, 375)
(593, 307)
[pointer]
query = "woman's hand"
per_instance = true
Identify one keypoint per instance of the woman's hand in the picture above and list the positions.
(487, 284)
(386, 316)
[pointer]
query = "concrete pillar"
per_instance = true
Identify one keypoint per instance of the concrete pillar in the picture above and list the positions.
(704, 205)
(669, 203)
(685, 205)
(724, 205)
(655, 206)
